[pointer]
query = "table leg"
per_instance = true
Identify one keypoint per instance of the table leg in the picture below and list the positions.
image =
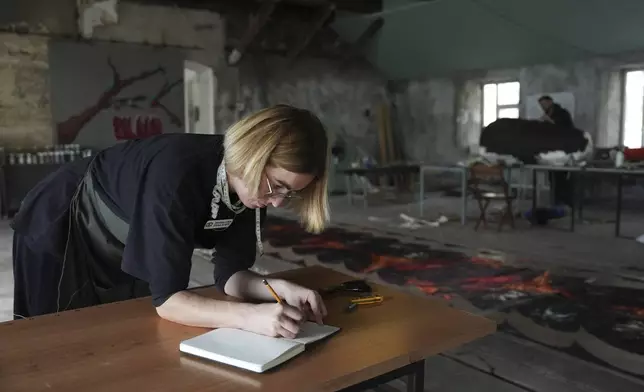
(365, 190)
(416, 380)
(618, 218)
(463, 196)
(534, 195)
(553, 188)
(347, 180)
(580, 199)
(573, 186)
(414, 371)
(421, 191)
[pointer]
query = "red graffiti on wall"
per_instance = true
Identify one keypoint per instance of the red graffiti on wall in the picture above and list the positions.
(68, 129)
(139, 127)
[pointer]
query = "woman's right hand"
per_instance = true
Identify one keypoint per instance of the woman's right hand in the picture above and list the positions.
(274, 319)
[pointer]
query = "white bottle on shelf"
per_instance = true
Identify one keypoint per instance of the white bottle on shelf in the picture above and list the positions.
(619, 158)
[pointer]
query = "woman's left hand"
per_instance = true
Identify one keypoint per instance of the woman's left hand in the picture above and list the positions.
(307, 300)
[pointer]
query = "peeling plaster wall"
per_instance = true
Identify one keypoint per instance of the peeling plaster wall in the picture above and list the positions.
(169, 26)
(25, 115)
(346, 100)
(201, 32)
(580, 79)
(39, 16)
(426, 113)
(469, 115)
(440, 119)
(609, 114)
(86, 68)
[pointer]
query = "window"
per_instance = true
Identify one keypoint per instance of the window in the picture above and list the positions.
(500, 100)
(633, 109)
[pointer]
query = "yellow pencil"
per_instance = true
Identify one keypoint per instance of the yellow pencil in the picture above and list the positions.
(273, 293)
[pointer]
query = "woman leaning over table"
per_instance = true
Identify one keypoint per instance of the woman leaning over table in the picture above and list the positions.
(124, 223)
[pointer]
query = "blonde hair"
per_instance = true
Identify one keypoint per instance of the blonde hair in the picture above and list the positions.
(289, 138)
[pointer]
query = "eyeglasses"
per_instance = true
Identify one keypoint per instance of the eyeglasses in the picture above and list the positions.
(286, 195)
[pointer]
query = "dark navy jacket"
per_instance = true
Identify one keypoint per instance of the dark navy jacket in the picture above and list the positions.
(162, 187)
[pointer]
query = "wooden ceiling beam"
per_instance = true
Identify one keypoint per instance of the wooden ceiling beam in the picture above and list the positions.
(357, 6)
(257, 22)
(324, 14)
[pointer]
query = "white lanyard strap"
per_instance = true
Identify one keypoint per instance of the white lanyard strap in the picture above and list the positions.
(220, 193)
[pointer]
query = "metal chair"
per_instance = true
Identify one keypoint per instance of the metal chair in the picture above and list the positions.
(487, 183)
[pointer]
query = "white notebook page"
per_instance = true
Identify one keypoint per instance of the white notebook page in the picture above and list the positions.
(235, 346)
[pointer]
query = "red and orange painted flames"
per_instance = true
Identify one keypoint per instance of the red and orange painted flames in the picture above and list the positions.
(424, 286)
(494, 263)
(632, 310)
(402, 263)
(495, 279)
(539, 285)
(315, 242)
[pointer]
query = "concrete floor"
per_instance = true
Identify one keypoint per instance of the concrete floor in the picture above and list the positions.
(500, 362)
(503, 362)
(591, 245)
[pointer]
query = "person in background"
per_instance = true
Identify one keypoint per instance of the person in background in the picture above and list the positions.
(556, 114)
(124, 224)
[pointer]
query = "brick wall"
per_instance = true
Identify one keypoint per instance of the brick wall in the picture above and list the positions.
(344, 98)
(25, 112)
(25, 115)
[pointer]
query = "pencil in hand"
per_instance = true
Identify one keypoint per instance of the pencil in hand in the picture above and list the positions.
(273, 293)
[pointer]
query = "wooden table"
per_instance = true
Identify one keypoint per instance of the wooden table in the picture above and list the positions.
(577, 174)
(462, 170)
(126, 347)
(398, 169)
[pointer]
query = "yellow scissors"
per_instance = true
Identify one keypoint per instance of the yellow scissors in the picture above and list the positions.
(372, 299)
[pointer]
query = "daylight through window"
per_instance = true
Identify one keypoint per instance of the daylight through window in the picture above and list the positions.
(633, 109)
(500, 100)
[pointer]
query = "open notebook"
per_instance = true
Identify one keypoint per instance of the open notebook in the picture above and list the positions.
(251, 351)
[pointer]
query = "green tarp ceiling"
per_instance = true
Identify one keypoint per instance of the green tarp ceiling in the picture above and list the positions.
(438, 37)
